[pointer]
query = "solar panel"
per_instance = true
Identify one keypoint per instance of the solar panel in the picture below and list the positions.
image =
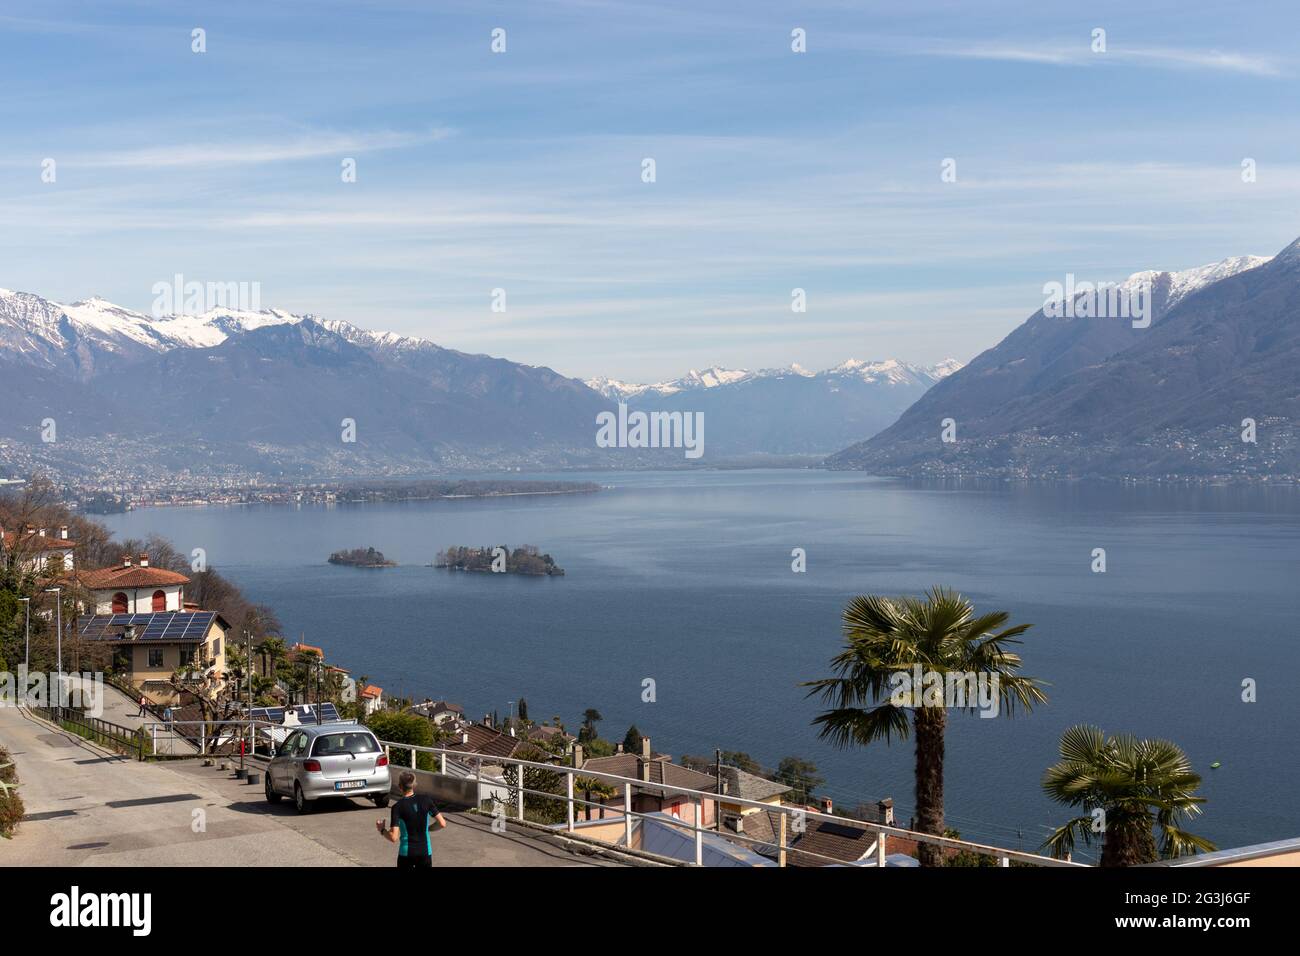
(165, 626)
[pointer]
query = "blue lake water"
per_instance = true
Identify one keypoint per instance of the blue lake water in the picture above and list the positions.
(686, 578)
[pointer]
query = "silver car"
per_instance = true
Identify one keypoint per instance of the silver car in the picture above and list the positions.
(328, 760)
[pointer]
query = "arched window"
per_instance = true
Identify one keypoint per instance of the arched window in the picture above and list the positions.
(159, 601)
(119, 603)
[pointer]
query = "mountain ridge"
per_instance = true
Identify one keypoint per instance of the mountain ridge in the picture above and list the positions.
(1083, 397)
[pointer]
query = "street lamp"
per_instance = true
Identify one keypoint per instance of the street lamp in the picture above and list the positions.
(58, 610)
(27, 631)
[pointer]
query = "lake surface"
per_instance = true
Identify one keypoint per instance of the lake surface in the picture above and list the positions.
(685, 578)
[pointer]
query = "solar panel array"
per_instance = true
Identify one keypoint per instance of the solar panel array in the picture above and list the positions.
(306, 713)
(167, 626)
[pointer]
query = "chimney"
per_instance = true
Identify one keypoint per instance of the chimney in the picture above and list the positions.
(645, 747)
(126, 560)
(578, 758)
(618, 748)
(464, 737)
(644, 766)
(828, 806)
(63, 532)
(41, 533)
(144, 559)
(512, 730)
(886, 808)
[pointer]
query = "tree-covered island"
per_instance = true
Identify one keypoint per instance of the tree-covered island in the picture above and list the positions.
(522, 560)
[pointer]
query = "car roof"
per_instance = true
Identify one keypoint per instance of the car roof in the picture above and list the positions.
(338, 727)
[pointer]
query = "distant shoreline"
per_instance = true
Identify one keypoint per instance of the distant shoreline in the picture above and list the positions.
(351, 501)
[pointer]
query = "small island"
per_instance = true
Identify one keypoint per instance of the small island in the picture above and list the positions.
(523, 560)
(362, 558)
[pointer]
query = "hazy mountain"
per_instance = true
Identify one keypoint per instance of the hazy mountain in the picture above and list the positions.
(1096, 396)
(786, 410)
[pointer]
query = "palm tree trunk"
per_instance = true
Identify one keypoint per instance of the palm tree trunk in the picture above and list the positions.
(1129, 842)
(929, 723)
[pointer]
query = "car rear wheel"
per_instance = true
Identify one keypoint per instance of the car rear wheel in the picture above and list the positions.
(381, 800)
(271, 795)
(300, 801)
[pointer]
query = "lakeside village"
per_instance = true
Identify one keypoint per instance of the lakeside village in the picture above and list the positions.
(184, 650)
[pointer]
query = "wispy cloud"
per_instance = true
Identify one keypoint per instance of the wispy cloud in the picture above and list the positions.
(233, 152)
(1078, 53)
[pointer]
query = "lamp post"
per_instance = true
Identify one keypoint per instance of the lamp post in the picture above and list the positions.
(27, 631)
(58, 611)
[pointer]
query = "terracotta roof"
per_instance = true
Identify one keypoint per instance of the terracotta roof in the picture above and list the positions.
(842, 842)
(661, 772)
(132, 576)
(38, 542)
(543, 732)
(372, 691)
(485, 740)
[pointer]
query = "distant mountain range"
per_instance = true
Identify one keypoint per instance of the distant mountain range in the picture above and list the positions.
(787, 410)
(1078, 397)
(232, 391)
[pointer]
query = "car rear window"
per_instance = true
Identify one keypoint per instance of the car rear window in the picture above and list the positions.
(355, 742)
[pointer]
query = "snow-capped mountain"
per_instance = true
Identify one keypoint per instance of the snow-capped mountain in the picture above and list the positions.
(78, 337)
(1103, 396)
(887, 372)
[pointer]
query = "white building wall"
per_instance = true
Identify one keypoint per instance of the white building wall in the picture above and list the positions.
(139, 600)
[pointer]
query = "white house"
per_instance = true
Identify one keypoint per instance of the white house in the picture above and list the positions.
(34, 549)
(130, 588)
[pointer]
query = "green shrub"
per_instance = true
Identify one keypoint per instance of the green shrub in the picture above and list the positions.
(11, 805)
(401, 728)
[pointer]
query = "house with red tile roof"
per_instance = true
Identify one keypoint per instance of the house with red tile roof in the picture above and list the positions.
(135, 588)
(37, 551)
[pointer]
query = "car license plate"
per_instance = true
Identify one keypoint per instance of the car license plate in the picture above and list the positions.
(349, 785)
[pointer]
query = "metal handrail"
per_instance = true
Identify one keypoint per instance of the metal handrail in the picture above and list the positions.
(883, 832)
(788, 815)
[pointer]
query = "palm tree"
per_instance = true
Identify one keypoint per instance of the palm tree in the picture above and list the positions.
(1127, 786)
(886, 638)
(272, 652)
(602, 790)
(589, 718)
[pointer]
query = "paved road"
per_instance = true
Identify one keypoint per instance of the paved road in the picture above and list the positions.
(122, 710)
(87, 809)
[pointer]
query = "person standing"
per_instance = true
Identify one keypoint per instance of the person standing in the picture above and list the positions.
(142, 710)
(410, 821)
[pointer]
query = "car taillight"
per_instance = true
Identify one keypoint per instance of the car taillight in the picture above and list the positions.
(311, 766)
(382, 761)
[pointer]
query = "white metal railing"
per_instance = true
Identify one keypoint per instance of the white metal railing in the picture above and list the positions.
(790, 820)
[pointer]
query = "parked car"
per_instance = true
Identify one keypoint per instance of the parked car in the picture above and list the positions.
(325, 761)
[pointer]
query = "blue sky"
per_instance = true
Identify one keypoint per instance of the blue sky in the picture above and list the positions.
(522, 170)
